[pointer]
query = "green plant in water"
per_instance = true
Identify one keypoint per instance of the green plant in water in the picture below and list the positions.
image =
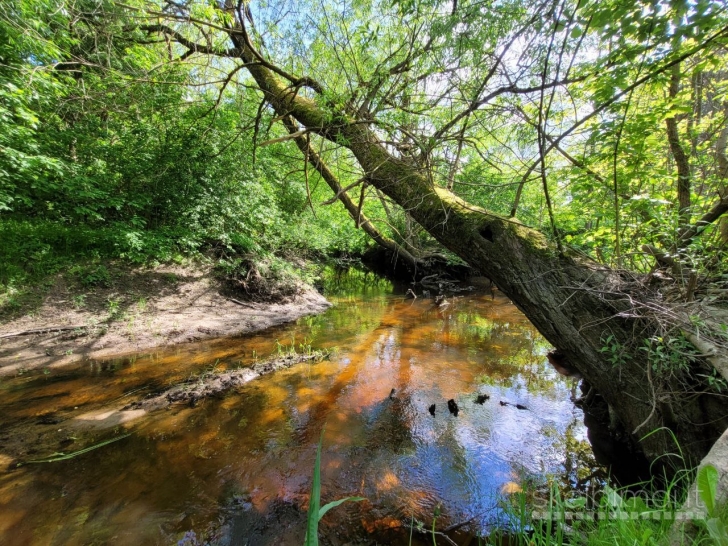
(437, 513)
(305, 346)
(315, 510)
(287, 350)
(65, 456)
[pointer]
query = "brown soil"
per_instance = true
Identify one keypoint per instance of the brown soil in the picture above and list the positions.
(141, 309)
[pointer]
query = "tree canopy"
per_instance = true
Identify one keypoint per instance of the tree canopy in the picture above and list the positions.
(603, 124)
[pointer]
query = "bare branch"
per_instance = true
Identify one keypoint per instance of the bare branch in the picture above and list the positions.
(291, 136)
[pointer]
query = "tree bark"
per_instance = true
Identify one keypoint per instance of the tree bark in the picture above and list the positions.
(577, 306)
(682, 161)
(722, 161)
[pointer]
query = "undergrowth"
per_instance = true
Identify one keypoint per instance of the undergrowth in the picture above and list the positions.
(264, 277)
(646, 514)
(33, 252)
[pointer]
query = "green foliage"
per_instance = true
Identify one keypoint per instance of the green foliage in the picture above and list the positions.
(643, 513)
(149, 160)
(23, 162)
(264, 277)
(714, 380)
(613, 517)
(92, 275)
(616, 353)
(669, 355)
(707, 483)
(121, 156)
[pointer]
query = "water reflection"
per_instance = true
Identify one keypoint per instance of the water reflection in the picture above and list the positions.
(246, 459)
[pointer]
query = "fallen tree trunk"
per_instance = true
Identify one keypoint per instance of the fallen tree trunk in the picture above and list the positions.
(597, 317)
(577, 306)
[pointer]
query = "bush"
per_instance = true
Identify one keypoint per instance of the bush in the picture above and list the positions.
(266, 278)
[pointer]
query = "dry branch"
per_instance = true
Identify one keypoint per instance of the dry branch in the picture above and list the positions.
(47, 330)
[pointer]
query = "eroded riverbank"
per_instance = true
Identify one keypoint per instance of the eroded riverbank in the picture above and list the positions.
(140, 310)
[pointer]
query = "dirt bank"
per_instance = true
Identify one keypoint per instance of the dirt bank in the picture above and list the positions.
(137, 309)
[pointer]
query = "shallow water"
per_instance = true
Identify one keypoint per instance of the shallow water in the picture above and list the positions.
(238, 468)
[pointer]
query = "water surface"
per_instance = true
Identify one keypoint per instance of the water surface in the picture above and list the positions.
(238, 468)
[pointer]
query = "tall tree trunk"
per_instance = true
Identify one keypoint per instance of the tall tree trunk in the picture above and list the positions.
(682, 161)
(722, 160)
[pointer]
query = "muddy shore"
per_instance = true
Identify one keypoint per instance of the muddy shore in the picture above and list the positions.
(139, 310)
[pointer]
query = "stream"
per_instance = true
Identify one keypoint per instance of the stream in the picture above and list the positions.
(237, 469)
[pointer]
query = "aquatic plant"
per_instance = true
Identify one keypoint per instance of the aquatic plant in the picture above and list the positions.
(315, 510)
(65, 456)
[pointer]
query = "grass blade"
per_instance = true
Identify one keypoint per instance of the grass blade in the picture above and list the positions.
(315, 511)
(65, 457)
(333, 504)
(315, 501)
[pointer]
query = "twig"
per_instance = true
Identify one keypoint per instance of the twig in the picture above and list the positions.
(438, 533)
(44, 330)
(283, 138)
(654, 400)
(338, 193)
(241, 303)
(64, 457)
(456, 526)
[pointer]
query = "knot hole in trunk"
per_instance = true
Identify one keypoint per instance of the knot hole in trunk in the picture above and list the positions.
(486, 233)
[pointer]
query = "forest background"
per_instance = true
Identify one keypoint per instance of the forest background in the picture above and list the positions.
(115, 143)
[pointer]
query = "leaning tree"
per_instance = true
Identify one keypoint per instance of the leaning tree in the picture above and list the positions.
(430, 99)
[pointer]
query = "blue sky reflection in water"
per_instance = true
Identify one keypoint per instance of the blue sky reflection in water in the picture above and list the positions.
(249, 453)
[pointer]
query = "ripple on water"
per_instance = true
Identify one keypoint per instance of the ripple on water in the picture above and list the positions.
(250, 454)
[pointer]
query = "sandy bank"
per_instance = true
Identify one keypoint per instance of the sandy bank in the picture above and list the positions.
(140, 309)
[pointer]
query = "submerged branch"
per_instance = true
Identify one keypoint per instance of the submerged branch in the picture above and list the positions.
(66, 456)
(47, 330)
